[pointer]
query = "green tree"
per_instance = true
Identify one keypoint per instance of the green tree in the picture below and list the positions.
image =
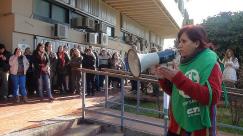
(226, 30)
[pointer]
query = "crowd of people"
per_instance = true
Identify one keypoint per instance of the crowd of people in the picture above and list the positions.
(45, 72)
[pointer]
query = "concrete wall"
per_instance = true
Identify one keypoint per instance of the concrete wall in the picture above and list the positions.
(18, 26)
(22, 7)
(22, 41)
(5, 6)
(6, 27)
(6, 23)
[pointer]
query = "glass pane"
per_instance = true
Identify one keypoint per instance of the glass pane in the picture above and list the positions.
(42, 8)
(59, 14)
(109, 31)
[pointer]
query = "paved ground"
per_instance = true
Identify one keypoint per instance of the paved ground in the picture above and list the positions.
(22, 116)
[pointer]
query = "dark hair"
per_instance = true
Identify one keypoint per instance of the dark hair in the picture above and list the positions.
(38, 46)
(15, 50)
(195, 33)
(2, 46)
(59, 47)
(46, 45)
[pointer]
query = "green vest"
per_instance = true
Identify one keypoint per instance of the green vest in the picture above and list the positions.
(188, 113)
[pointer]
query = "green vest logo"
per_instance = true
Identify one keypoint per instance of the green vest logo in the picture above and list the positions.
(194, 76)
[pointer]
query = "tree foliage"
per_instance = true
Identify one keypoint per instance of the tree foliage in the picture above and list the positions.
(225, 29)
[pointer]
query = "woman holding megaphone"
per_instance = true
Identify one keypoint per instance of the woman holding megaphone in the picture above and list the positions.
(194, 85)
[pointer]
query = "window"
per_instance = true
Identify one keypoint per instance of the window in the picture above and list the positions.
(42, 8)
(60, 14)
(110, 31)
(48, 12)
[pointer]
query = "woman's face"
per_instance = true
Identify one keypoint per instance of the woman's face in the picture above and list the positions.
(18, 52)
(229, 53)
(42, 48)
(186, 47)
(28, 51)
(76, 52)
(116, 56)
(60, 49)
(103, 52)
(49, 47)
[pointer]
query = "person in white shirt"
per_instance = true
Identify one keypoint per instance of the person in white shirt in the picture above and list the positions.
(231, 64)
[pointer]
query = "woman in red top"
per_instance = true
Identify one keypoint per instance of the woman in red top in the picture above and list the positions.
(194, 86)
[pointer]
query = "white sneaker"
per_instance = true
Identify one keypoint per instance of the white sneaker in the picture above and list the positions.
(10, 96)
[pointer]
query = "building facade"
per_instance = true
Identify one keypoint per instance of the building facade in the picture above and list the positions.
(114, 24)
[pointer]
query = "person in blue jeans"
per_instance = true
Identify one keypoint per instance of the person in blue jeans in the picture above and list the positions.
(19, 64)
(42, 71)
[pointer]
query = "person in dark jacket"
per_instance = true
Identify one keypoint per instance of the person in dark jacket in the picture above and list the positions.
(62, 69)
(53, 62)
(4, 71)
(42, 71)
(89, 63)
(31, 84)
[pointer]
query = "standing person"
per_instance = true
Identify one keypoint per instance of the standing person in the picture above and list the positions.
(231, 64)
(4, 69)
(19, 65)
(30, 78)
(53, 61)
(116, 63)
(76, 62)
(89, 63)
(62, 70)
(42, 71)
(194, 86)
(103, 63)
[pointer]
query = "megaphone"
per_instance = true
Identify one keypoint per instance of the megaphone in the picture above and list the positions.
(140, 62)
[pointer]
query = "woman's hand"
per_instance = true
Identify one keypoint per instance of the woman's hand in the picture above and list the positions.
(165, 72)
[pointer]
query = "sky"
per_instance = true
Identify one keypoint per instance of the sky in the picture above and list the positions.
(201, 9)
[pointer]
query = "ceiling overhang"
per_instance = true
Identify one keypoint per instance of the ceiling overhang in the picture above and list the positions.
(151, 14)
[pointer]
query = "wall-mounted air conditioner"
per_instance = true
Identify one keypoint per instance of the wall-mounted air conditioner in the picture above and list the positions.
(103, 39)
(60, 31)
(133, 39)
(89, 23)
(101, 27)
(127, 38)
(91, 38)
(77, 22)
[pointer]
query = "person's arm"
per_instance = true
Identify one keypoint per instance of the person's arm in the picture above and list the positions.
(200, 92)
(166, 85)
(12, 60)
(236, 64)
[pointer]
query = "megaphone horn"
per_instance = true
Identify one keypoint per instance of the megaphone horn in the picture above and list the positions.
(140, 62)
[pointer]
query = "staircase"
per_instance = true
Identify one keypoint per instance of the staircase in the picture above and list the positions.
(89, 130)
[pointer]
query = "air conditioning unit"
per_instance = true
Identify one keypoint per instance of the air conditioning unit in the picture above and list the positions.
(91, 38)
(133, 39)
(103, 39)
(101, 27)
(89, 23)
(77, 22)
(60, 31)
(127, 38)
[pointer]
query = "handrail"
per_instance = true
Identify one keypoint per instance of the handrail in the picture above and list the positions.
(144, 78)
(116, 73)
(122, 75)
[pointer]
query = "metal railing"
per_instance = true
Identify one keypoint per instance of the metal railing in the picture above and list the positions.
(144, 78)
(123, 75)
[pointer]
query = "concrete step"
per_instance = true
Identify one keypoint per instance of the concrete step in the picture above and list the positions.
(83, 130)
(111, 134)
